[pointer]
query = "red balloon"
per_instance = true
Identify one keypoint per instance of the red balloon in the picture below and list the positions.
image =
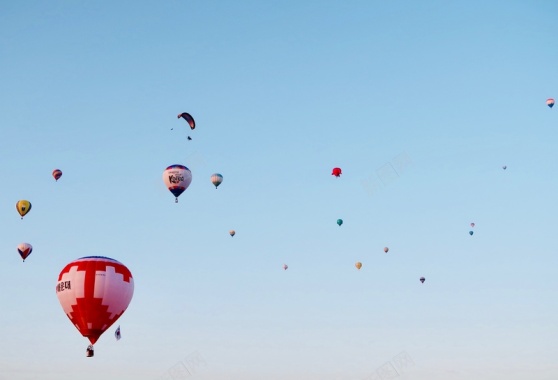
(94, 292)
(336, 172)
(57, 173)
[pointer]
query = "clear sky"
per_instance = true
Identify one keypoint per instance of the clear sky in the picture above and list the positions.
(420, 103)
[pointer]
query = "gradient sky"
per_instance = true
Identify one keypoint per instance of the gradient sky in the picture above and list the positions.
(420, 103)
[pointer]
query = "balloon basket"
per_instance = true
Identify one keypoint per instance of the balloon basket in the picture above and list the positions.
(89, 352)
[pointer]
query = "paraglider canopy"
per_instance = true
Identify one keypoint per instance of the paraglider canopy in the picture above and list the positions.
(189, 119)
(358, 265)
(422, 279)
(339, 222)
(550, 102)
(336, 172)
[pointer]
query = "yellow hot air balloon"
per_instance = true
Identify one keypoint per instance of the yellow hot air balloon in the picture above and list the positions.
(358, 265)
(23, 207)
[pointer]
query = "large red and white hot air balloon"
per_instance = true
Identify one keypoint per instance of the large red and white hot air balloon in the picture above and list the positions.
(94, 292)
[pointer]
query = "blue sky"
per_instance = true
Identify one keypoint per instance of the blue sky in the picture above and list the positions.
(420, 104)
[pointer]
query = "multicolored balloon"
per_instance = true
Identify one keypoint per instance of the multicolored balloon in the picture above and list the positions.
(94, 292)
(339, 222)
(189, 119)
(177, 178)
(24, 250)
(386, 249)
(358, 265)
(550, 102)
(336, 172)
(57, 173)
(232, 232)
(216, 179)
(23, 207)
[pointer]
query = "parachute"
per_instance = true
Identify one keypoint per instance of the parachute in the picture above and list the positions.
(216, 179)
(24, 250)
(550, 102)
(339, 222)
(358, 265)
(177, 178)
(422, 279)
(189, 119)
(94, 292)
(336, 172)
(57, 173)
(23, 207)
(232, 232)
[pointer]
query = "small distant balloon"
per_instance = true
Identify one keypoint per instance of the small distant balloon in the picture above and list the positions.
(339, 222)
(23, 207)
(550, 102)
(24, 250)
(285, 267)
(336, 172)
(471, 233)
(472, 224)
(422, 279)
(504, 167)
(386, 249)
(358, 265)
(189, 119)
(189, 138)
(232, 232)
(216, 179)
(57, 173)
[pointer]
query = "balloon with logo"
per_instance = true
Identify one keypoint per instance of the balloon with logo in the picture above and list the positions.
(216, 179)
(23, 207)
(177, 178)
(24, 250)
(189, 119)
(94, 291)
(57, 173)
(336, 172)
(550, 102)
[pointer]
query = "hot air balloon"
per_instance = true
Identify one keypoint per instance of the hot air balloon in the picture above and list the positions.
(386, 249)
(177, 178)
(471, 233)
(216, 179)
(472, 224)
(189, 138)
(94, 292)
(336, 172)
(358, 265)
(189, 119)
(23, 207)
(285, 267)
(550, 102)
(24, 250)
(422, 279)
(504, 167)
(57, 173)
(232, 233)
(339, 222)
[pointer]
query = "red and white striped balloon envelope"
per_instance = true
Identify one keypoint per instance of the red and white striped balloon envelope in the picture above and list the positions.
(94, 292)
